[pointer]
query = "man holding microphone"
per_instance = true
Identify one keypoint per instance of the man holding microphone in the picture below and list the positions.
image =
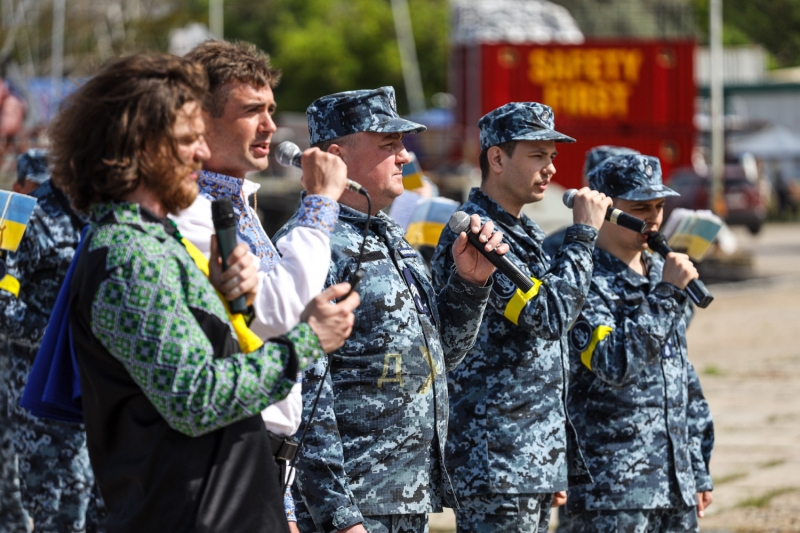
(516, 448)
(635, 398)
(239, 125)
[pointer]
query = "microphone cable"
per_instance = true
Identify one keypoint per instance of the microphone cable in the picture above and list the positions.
(354, 279)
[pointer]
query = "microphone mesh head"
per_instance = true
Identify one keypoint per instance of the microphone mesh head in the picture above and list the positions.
(459, 222)
(286, 152)
(222, 213)
(569, 197)
(656, 239)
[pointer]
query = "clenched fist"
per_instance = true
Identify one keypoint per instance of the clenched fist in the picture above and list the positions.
(678, 270)
(323, 173)
(590, 207)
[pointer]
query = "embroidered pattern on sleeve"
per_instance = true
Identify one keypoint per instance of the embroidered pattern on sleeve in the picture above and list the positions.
(141, 314)
(319, 212)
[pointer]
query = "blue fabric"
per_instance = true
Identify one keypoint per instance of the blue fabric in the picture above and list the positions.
(54, 388)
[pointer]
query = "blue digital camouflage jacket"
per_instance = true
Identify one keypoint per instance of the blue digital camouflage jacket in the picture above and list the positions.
(508, 396)
(634, 396)
(39, 266)
(377, 441)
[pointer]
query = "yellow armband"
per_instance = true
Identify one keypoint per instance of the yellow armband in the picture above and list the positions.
(599, 333)
(518, 302)
(10, 284)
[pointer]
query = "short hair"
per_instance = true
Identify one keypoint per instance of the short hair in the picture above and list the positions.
(345, 140)
(99, 137)
(226, 61)
(483, 160)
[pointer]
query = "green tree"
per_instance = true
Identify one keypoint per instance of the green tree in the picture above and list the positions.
(327, 46)
(775, 24)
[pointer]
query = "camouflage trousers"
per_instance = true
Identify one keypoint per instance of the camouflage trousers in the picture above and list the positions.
(55, 476)
(512, 513)
(13, 518)
(671, 520)
(408, 523)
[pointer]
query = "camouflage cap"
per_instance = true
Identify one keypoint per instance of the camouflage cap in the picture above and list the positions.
(598, 154)
(341, 114)
(519, 121)
(630, 177)
(32, 165)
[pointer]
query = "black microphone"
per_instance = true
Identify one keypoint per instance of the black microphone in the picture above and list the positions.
(696, 289)
(460, 222)
(289, 154)
(225, 226)
(615, 216)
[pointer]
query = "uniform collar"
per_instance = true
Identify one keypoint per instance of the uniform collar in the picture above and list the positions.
(522, 226)
(619, 269)
(381, 224)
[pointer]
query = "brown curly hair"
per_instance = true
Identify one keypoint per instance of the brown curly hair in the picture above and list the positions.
(101, 133)
(232, 61)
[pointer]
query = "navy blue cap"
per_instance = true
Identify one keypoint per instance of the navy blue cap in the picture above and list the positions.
(519, 121)
(32, 165)
(598, 154)
(349, 112)
(630, 177)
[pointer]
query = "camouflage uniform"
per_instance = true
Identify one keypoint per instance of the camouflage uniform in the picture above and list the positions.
(13, 518)
(374, 452)
(515, 445)
(56, 479)
(32, 167)
(634, 396)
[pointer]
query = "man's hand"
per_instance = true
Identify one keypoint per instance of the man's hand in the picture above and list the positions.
(559, 498)
(590, 207)
(704, 499)
(323, 173)
(293, 527)
(332, 322)
(678, 270)
(241, 276)
(470, 264)
(358, 528)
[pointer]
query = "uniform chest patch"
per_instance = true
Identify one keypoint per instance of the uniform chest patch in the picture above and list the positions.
(419, 301)
(580, 335)
(503, 286)
(405, 250)
(375, 255)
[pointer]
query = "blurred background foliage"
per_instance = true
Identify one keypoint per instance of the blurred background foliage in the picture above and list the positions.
(325, 46)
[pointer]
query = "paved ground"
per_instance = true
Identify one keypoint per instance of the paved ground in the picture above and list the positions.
(746, 348)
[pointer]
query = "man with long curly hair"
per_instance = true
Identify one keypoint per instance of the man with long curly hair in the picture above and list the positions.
(172, 392)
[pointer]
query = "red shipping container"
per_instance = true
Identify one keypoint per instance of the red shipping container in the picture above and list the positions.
(639, 94)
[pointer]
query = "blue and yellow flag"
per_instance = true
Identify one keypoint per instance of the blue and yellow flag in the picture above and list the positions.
(412, 174)
(428, 221)
(15, 212)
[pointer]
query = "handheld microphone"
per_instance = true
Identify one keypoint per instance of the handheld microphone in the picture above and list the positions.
(225, 227)
(289, 154)
(696, 289)
(613, 215)
(460, 222)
